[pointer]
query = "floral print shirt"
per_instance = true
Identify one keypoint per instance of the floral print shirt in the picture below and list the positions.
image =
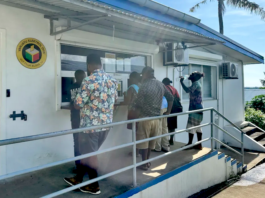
(195, 91)
(96, 99)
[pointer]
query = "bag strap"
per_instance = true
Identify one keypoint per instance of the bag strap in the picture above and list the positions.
(171, 91)
(136, 88)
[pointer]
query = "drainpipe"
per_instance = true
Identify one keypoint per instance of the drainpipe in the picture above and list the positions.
(243, 91)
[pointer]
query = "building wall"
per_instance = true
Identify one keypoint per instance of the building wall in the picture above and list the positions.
(36, 92)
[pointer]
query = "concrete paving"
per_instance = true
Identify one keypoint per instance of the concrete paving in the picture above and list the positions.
(50, 180)
(251, 185)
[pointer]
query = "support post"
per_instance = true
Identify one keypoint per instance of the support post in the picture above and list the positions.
(242, 147)
(134, 154)
(212, 140)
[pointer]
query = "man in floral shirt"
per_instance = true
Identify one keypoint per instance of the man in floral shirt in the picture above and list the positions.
(96, 103)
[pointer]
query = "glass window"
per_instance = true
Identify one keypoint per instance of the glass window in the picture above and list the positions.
(74, 58)
(120, 65)
(207, 82)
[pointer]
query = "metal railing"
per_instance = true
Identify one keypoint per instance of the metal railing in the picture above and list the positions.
(133, 143)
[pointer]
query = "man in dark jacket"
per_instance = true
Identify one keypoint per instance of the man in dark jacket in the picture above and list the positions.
(75, 114)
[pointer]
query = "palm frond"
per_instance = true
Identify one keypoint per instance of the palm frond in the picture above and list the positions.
(250, 6)
(198, 5)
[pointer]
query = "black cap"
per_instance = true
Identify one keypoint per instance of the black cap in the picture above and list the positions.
(166, 81)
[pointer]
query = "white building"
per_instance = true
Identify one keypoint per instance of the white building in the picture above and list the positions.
(124, 30)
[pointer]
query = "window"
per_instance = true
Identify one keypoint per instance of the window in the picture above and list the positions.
(208, 83)
(117, 64)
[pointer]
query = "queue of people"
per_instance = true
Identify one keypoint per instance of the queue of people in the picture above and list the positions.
(92, 103)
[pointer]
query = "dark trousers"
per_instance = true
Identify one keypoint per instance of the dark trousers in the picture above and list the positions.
(89, 142)
(75, 125)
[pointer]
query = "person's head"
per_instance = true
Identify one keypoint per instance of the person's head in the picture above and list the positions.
(134, 78)
(166, 81)
(148, 73)
(79, 76)
(93, 62)
(195, 76)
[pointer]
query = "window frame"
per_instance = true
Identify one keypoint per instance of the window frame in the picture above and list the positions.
(60, 73)
(213, 84)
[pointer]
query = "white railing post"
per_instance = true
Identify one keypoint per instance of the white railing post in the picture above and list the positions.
(242, 147)
(212, 140)
(134, 154)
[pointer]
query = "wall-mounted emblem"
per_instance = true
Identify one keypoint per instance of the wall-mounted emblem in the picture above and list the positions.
(31, 53)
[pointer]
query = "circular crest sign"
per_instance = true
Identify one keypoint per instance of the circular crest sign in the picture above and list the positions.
(31, 53)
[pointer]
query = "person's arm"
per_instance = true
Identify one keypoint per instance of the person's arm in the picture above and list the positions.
(186, 89)
(128, 96)
(170, 99)
(139, 101)
(83, 96)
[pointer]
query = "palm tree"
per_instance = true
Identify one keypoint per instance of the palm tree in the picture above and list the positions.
(250, 6)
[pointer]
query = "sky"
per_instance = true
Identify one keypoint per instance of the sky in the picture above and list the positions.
(239, 25)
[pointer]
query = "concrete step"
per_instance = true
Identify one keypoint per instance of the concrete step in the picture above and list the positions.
(262, 141)
(234, 161)
(227, 159)
(242, 125)
(249, 129)
(221, 155)
(257, 135)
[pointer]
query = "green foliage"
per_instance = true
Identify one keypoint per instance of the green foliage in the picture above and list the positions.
(256, 117)
(262, 88)
(257, 103)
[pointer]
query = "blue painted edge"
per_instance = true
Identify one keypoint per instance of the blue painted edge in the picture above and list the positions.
(245, 168)
(220, 156)
(233, 162)
(228, 159)
(239, 165)
(166, 176)
(147, 12)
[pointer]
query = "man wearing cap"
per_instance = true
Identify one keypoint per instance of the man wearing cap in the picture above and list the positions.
(172, 122)
(148, 104)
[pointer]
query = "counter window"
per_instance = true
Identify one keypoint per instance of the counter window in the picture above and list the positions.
(119, 65)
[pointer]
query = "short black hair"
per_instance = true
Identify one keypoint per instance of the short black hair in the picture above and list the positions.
(135, 75)
(94, 59)
(149, 71)
(79, 72)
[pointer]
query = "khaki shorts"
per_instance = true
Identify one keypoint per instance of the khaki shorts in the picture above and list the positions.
(147, 129)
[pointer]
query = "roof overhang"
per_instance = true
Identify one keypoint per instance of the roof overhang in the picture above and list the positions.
(128, 20)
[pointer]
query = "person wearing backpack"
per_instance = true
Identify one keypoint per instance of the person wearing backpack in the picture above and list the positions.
(172, 122)
(129, 97)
